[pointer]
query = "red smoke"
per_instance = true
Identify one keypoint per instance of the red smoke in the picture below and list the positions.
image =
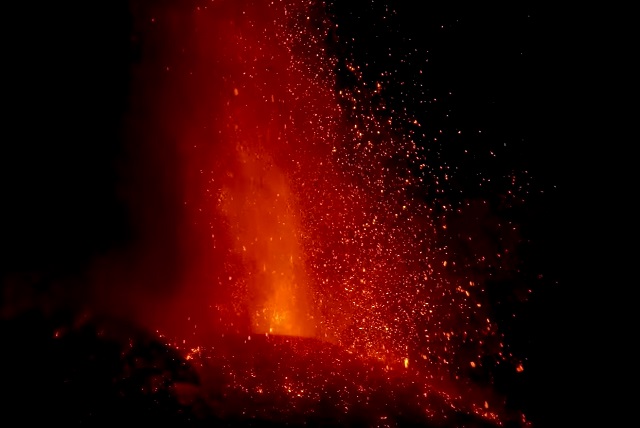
(268, 200)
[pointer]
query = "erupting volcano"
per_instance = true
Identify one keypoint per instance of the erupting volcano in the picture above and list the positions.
(302, 241)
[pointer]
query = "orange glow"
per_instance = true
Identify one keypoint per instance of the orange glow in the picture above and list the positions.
(299, 217)
(260, 210)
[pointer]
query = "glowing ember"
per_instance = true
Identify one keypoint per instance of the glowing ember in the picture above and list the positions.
(304, 215)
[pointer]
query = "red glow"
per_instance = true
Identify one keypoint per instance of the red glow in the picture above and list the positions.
(286, 209)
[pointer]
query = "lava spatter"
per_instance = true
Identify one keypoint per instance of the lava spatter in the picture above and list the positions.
(320, 275)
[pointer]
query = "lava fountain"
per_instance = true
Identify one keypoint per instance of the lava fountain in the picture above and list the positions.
(293, 207)
(257, 204)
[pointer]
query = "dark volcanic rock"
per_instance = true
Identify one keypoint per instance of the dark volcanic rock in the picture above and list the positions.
(76, 369)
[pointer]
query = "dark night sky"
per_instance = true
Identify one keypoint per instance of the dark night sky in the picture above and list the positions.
(507, 68)
(65, 93)
(63, 153)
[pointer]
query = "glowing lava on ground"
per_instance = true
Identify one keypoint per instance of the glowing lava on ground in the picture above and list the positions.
(309, 270)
